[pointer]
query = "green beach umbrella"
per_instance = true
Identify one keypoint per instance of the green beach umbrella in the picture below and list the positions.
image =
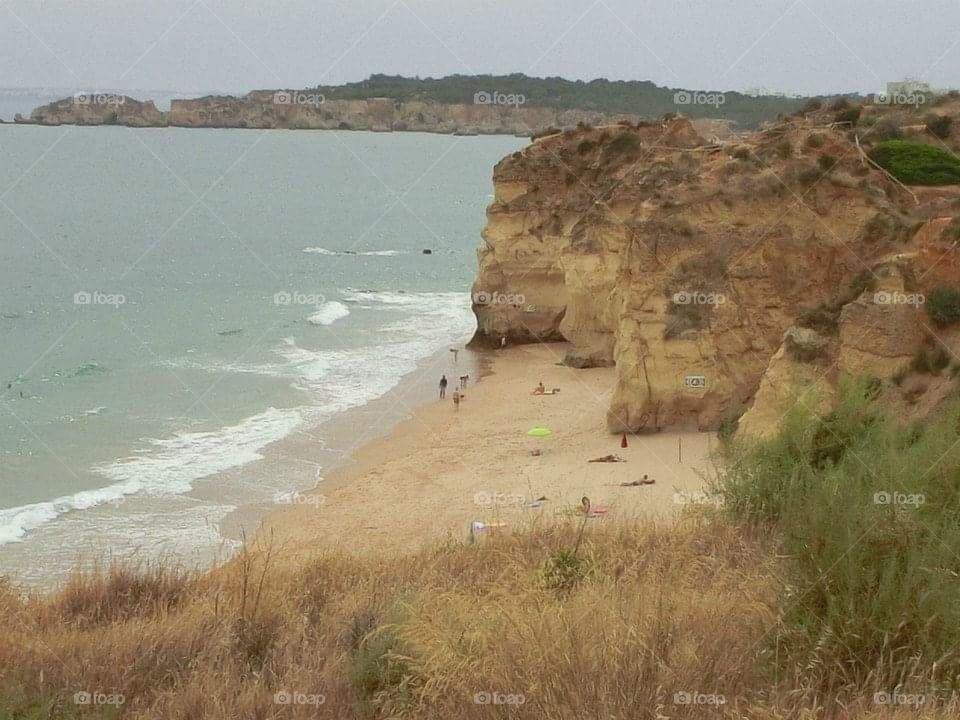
(539, 432)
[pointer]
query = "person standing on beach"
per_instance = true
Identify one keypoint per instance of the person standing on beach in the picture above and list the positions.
(456, 400)
(443, 386)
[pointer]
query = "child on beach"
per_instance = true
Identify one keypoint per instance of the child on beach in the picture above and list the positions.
(456, 400)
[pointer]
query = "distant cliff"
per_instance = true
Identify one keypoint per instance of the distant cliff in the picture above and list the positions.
(97, 109)
(301, 110)
(721, 279)
(475, 104)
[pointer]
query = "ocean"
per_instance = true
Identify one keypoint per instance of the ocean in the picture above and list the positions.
(174, 303)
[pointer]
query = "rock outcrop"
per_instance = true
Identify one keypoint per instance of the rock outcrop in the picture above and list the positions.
(97, 109)
(719, 278)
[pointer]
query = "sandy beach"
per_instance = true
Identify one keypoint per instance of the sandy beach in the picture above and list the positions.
(441, 469)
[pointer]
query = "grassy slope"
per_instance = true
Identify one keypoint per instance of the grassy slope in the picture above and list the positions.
(803, 599)
(646, 614)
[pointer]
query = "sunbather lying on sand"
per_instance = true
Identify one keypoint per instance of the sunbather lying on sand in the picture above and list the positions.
(607, 459)
(636, 483)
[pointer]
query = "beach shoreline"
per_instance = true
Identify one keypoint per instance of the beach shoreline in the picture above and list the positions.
(439, 470)
(316, 456)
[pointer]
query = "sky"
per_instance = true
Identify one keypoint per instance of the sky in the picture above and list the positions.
(192, 46)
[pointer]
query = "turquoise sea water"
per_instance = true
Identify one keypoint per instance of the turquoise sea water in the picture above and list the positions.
(174, 302)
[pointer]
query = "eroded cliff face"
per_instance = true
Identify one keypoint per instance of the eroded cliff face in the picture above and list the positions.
(303, 110)
(720, 280)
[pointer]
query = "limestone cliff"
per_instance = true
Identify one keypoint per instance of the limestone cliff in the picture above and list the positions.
(302, 110)
(719, 278)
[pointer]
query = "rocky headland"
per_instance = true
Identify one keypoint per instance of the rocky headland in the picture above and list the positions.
(293, 110)
(725, 281)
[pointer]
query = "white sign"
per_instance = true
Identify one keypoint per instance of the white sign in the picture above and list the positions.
(695, 381)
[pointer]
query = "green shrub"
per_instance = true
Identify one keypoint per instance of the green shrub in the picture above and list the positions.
(841, 103)
(939, 125)
(784, 149)
(626, 143)
(563, 570)
(49, 707)
(883, 130)
(882, 227)
(930, 361)
(815, 140)
(943, 305)
(809, 176)
(586, 146)
(849, 115)
(827, 162)
(730, 422)
(915, 163)
(377, 664)
(819, 318)
(869, 516)
(824, 317)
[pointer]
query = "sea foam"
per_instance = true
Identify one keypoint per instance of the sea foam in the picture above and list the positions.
(329, 313)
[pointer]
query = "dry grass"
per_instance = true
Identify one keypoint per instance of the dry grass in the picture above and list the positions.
(642, 613)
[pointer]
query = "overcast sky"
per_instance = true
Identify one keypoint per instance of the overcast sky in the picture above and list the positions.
(806, 46)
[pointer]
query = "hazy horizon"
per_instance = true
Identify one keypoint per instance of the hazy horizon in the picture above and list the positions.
(808, 47)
